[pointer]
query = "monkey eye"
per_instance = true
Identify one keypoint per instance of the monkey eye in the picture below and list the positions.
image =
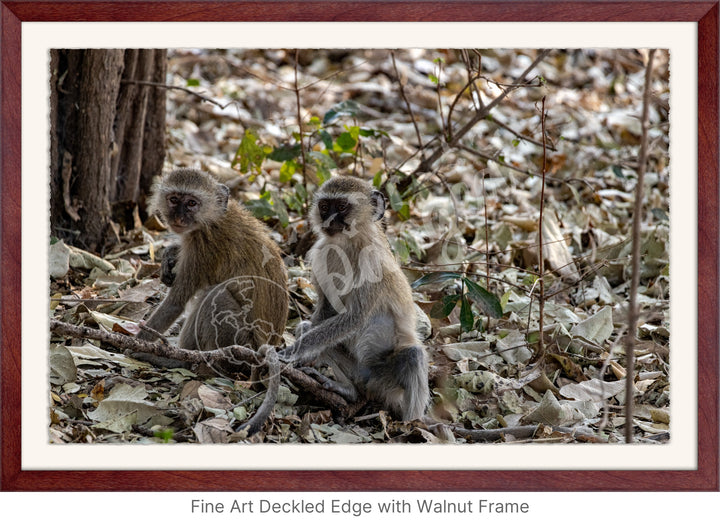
(173, 200)
(323, 206)
(191, 203)
(342, 206)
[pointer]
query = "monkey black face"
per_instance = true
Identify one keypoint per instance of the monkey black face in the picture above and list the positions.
(334, 213)
(346, 204)
(181, 211)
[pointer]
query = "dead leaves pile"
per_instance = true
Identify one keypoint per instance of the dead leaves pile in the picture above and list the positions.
(483, 380)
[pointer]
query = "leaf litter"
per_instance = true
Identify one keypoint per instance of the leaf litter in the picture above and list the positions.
(474, 215)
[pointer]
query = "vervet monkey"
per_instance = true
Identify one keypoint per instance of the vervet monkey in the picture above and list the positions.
(226, 258)
(364, 324)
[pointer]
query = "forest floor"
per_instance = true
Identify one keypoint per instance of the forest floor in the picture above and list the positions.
(471, 213)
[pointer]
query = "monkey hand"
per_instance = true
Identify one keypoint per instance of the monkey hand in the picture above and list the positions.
(290, 354)
(302, 328)
(167, 267)
(287, 354)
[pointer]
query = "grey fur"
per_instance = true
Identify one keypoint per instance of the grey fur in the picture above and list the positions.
(364, 324)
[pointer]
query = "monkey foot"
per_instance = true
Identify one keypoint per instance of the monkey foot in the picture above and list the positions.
(348, 393)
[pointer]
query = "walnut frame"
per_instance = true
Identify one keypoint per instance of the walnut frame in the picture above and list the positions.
(704, 13)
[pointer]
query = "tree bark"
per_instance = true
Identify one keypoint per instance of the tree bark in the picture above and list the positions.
(141, 148)
(101, 124)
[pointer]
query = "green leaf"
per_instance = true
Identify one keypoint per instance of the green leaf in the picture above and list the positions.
(346, 142)
(617, 170)
(436, 277)
(433, 78)
(347, 108)
(371, 132)
(288, 170)
(326, 139)
(293, 203)
(296, 200)
(466, 315)
(404, 212)
(281, 212)
(659, 214)
(483, 299)
(164, 434)
(402, 251)
(301, 192)
(505, 298)
(193, 82)
(285, 152)
(396, 201)
(442, 308)
(324, 165)
(249, 155)
(354, 132)
(413, 246)
(261, 208)
(377, 179)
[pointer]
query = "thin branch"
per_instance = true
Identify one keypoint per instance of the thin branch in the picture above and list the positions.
(495, 159)
(472, 71)
(518, 135)
(236, 354)
(282, 86)
(401, 85)
(487, 236)
(300, 127)
(439, 101)
(182, 89)
(541, 258)
(468, 84)
(481, 114)
(487, 242)
(635, 277)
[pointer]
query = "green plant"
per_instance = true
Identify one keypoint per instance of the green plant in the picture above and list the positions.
(331, 143)
(472, 294)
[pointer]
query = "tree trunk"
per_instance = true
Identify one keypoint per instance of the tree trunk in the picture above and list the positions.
(101, 125)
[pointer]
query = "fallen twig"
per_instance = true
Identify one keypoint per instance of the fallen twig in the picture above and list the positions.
(524, 432)
(236, 354)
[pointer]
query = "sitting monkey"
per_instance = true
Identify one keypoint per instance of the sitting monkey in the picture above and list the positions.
(226, 259)
(364, 324)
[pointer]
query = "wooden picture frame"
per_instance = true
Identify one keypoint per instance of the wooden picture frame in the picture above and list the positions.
(703, 13)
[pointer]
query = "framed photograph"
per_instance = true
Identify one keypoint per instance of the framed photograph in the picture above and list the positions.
(685, 198)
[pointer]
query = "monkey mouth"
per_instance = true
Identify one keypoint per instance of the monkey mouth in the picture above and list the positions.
(178, 228)
(334, 228)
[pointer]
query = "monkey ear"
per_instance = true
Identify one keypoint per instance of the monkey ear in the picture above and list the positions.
(377, 200)
(223, 192)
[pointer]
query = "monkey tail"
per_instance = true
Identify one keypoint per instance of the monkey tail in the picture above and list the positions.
(255, 423)
(414, 380)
